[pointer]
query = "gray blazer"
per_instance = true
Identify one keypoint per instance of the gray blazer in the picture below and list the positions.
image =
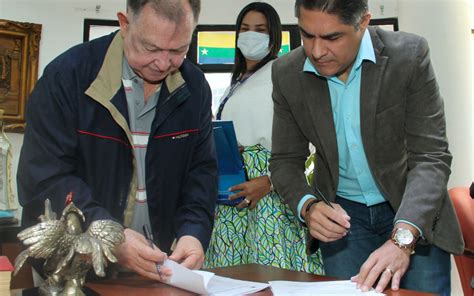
(403, 131)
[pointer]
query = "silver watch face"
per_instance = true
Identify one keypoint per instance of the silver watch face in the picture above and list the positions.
(404, 236)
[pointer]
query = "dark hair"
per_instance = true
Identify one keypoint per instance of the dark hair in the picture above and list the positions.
(274, 29)
(172, 9)
(350, 12)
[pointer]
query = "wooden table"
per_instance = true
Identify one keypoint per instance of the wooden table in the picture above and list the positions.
(135, 285)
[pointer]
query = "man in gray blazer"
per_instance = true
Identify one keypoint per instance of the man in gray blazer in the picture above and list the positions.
(368, 100)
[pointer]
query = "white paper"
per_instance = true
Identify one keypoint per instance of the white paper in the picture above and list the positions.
(288, 288)
(184, 278)
(206, 283)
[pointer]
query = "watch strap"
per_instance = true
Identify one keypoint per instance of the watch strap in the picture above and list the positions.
(309, 205)
(411, 246)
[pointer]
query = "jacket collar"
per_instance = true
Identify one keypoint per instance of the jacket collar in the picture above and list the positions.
(371, 85)
(109, 78)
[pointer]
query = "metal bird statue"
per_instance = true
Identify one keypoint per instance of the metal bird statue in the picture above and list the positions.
(69, 252)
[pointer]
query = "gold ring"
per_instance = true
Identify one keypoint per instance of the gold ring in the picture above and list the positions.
(389, 270)
(248, 202)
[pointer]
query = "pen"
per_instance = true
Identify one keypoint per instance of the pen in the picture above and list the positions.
(149, 237)
(326, 201)
(323, 198)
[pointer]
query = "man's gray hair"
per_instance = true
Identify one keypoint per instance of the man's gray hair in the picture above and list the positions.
(172, 9)
(350, 12)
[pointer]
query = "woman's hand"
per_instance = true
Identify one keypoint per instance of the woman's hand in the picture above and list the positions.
(252, 190)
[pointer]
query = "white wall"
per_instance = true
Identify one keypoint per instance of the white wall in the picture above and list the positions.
(446, 24)
(62, 20)
(472, 73)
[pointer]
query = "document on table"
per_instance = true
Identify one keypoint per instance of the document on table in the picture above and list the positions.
(206, 283)
(332, 288)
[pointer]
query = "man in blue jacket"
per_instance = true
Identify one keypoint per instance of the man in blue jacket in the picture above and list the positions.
(124, 122)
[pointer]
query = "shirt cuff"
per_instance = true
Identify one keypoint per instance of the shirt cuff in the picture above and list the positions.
(408, 222)
(301, 204)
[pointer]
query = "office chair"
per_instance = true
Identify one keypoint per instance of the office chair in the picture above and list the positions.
(464, 205)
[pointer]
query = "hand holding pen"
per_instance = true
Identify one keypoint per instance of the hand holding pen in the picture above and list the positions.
(149, 238)
(326, 221)
(164, 273)
(136, 254)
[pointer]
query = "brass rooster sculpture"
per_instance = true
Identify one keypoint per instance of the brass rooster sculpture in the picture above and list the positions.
(69, 252)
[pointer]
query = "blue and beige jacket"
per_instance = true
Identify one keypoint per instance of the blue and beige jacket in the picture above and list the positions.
(78, 139)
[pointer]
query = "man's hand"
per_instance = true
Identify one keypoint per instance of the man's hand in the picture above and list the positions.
(188, 252)
(253, 191)
(325, 223)
(387, 262)
(137, 255)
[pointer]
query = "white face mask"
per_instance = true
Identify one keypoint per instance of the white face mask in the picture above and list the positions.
(253, 45)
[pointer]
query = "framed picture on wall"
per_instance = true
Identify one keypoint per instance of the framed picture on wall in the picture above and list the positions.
(212, 47)
(94, 28)
(19, 53)
(389, 24)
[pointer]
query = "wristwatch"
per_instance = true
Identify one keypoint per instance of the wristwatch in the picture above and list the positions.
(404, 239)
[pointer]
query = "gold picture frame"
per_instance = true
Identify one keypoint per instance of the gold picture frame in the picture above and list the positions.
(19, 53)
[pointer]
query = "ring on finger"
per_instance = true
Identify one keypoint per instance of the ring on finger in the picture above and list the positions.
(248, 202)
(158, 269)
(390, 271)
